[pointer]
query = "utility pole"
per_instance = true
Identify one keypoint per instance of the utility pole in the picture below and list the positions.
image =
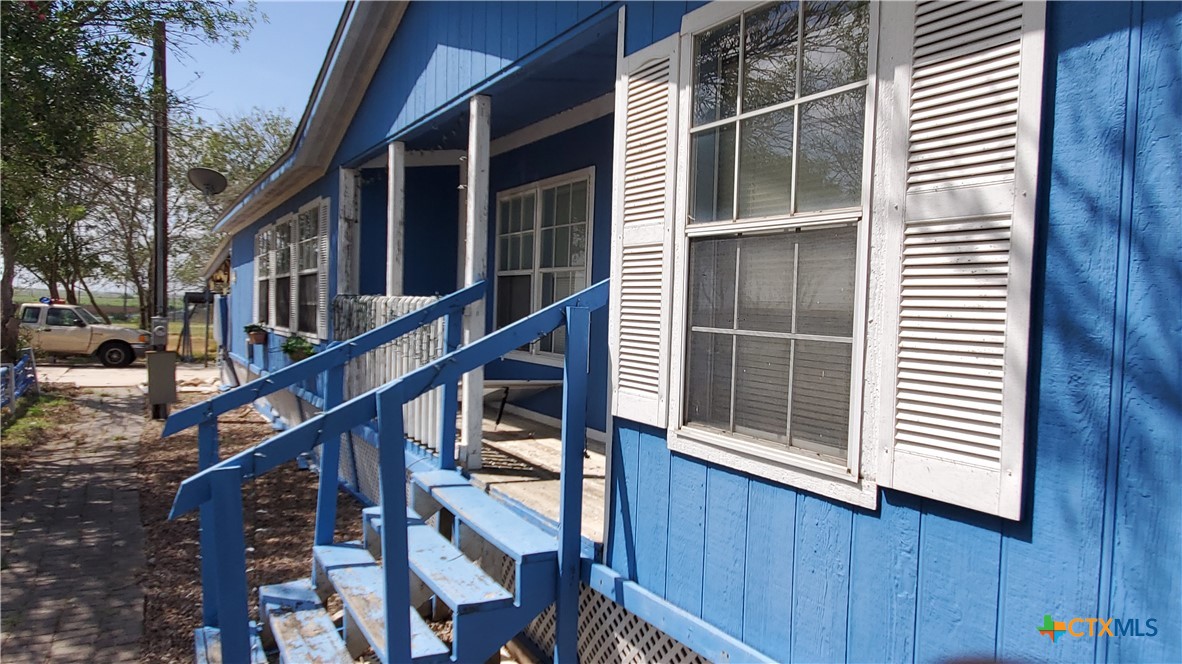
(161, 364)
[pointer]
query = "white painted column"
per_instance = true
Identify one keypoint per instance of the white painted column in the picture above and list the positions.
(395, 216)
(475, 269)
(348, 214)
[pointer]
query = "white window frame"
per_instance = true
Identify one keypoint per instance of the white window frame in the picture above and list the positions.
(289, 327)
(260, 278)
(534, 354)
(852, 482)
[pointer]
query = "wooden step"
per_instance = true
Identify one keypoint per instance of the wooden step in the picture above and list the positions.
(208, 642)
(492, 520)
(301, 628)
(359, 581)
(457, 581)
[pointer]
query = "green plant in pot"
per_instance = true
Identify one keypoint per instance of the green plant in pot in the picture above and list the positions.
(297, 348)
(257, 333)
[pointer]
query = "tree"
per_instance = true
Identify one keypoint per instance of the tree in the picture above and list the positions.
(119, 192)
(69, 69)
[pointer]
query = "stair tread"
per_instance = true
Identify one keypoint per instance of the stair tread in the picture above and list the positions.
(208, 642)
(302, 628)
(459, 582)
(495, 522)
(360, 586)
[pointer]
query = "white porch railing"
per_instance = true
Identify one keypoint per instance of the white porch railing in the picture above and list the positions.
(355, 314)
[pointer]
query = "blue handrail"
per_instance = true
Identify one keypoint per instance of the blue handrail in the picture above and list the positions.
(218, 488)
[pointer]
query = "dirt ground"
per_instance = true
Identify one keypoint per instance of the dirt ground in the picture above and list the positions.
(279, 509)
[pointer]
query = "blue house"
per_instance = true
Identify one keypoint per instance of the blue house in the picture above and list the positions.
(872, 308)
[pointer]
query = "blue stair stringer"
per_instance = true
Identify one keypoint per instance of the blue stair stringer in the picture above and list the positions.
(380, 591)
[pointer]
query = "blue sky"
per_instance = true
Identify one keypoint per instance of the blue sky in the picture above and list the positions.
(274, 67)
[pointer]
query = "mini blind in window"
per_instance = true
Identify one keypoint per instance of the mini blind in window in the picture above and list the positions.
(646, 118)
(971, 161)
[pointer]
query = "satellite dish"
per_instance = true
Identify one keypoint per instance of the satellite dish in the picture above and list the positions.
(207, 180)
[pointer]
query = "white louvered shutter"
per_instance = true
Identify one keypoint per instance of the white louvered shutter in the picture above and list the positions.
(967, 239)
(293, 246)
(642, 217)
(322, 272)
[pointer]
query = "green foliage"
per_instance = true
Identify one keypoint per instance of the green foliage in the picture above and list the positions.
(36, 416)
(297, 346)
(254, 327)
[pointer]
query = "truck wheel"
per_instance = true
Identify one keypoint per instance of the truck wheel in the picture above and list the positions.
(116, 354)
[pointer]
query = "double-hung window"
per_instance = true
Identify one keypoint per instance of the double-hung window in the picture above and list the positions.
(543, 247)
(291, 271)
(770, 233)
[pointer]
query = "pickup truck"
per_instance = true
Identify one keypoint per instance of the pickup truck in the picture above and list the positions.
(68, 329)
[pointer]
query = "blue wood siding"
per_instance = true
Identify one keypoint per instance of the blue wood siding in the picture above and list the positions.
(444, 49)
(807, 579)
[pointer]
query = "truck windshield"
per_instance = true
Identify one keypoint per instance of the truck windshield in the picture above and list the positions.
(90, 318)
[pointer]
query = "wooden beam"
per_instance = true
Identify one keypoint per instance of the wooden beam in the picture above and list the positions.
(475, 268)
(395, 216)
(348, 214)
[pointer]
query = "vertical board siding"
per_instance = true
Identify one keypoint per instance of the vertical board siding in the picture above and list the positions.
(652, 511)
(884, 578)
(821, 571)
(1147, 545)
(767, 588)
(959, 563)
(726, 540)
(687, 534)
(624, 483)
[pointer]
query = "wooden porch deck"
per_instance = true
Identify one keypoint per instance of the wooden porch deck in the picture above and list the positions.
(522, 461)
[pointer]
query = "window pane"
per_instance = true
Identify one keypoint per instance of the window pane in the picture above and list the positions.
(708, 388)
(578, 245)
(829, 173)
(283, 301)
(529, 205)
(765, 282)
(503, 211)
(306, 313)
(547, 247)
(578, 202)
(761, 387)
(562, 246)
(825, 287)
(513, 299)
(283, 249)
(562, 205)
(712, 282)
(765, 165)
(716, 73)
(836, 35)
(713, 177)
(264, 302)
(309, 250)
(515, 215)
(548, 208)
(821, 396)
(527, 251)
(503, 253)
(770, 56)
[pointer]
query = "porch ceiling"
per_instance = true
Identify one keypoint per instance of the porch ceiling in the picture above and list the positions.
(580, 69)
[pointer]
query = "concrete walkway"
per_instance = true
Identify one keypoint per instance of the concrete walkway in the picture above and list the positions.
(72, 541)
(189, 377)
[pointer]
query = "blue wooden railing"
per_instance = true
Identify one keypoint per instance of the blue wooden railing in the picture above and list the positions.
(218, 488)
(333, 361)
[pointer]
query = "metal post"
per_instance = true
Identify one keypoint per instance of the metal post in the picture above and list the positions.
(160, 257)
(570, 511)
(392, 484)
(230, 556)
(452, 330)
(207, 456)
(330, 461)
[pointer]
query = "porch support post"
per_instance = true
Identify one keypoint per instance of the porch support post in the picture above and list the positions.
(347, 221)
(475, 269)
(395, 215)
(570, 509)
(207, 456)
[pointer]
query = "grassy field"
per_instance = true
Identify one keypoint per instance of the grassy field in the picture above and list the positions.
(197, 330)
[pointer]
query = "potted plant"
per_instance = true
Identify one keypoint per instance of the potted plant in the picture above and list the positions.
(297, 348)
(257, 333)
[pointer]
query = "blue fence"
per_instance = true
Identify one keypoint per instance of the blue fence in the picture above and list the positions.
(17, 380)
